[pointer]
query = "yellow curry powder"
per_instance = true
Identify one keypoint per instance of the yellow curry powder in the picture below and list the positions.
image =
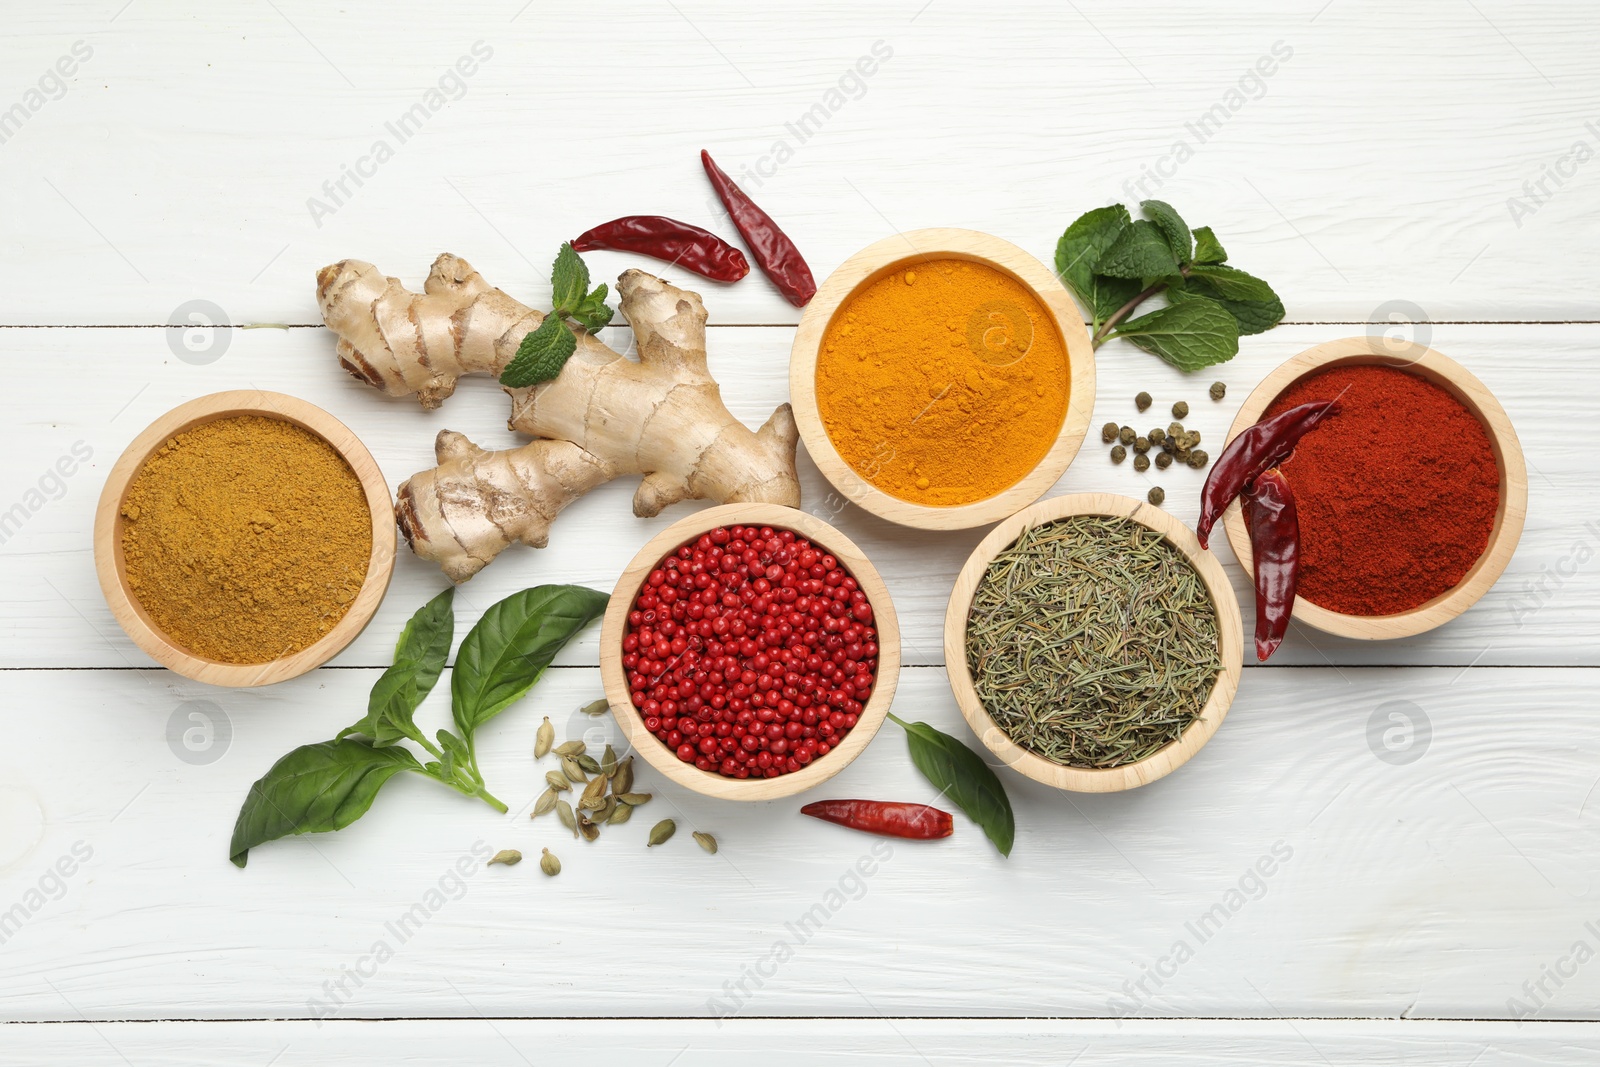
(943, 383)
(246, 538)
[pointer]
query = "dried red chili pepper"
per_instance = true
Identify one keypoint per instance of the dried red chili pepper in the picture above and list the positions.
(891, 818)
(1275, 548)
(676, 242)
(1264, 445)
(775, 254)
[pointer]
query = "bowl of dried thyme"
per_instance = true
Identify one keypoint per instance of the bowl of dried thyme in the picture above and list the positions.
(1092, 644)
(244, 538)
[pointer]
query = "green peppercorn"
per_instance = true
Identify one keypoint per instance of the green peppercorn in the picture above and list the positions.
(1156, 495)
(1141, 445)
(1180, 410)
(1174, 429)
(1157, 435)
(1127, 434)
(1194, 438)
(1182, 454)
(1198, 458)
(1118, 454)
(1219, 390)
(1142, 401)
(1141, 463)
(1108, 432)
(1163, 460)
(1169, 443)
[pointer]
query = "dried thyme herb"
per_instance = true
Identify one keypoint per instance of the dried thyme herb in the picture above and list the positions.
(1092, 642)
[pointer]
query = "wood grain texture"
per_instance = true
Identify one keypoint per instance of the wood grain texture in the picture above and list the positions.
(1366, 167)
(1544, 609)
(803, 1043)
(1230, 645)
(108, 532)
(1431, 889)
(615, 628)
(906, 250)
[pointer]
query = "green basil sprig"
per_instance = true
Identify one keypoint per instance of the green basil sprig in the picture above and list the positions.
(329, 785)
(961, 775)
(1113, 263)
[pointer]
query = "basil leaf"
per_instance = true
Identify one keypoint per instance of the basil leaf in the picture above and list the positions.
(314, 789)
(541, 355)
(1207, 249)
(962, 776)
(1189, 334)
(1140, 251)
(1079, 250)
(509, 648)
(1251, 316)
(419, 657)
(1172, 227)
(593, 312)
(569, 280)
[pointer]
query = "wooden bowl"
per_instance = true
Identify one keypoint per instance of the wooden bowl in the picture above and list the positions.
(1230, 635)
(110, 566)
(1465, 387)
(615, 628)
(894, 254)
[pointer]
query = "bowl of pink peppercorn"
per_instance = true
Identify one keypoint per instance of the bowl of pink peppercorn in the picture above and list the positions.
(750, 652)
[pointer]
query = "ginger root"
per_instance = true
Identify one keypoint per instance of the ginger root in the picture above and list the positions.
(603, 416)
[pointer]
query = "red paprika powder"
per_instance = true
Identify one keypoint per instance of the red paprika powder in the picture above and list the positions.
(1397, 494)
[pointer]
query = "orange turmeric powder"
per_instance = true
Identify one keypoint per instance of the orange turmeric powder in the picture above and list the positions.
(246, 538)
(943, 382)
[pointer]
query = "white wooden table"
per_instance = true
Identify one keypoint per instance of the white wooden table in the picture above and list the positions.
(1438, 903)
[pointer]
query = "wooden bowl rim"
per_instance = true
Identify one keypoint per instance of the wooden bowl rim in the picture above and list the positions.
(1465, 387)
(1230, 641)
(110, 567)
(884, 256)
(614, 628)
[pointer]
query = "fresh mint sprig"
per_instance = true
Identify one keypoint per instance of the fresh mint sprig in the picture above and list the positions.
(1113, 263)
(546, 350)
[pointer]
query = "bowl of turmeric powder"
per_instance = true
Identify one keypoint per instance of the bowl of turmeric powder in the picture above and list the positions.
(942, 379)
(244, 538)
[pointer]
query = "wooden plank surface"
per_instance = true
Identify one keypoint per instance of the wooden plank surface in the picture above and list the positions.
(1385, 855)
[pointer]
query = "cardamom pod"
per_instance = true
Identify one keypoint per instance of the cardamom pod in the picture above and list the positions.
(570, 748)
(558, 781)
(568, 819)
(593, 794)
(607, 806)
(622, 814)
(661, 832)
(707, 842)
(587, 828)
(508, 856)
(549, 864)
(543, 739)
(622, 781)
(633, 800)
(545, 804)
(573, 770)
(608, 762)
(588, 763)
(596, 707)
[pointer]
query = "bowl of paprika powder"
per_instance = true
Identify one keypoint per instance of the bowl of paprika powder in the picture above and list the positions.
(1411, 499)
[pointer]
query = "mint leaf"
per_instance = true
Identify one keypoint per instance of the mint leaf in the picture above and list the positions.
(569, 279)
(541, 355)
(1207, 249)
(1232, 284)
(592, 311)
(1140, 251)
(1252, 316)
(1172, 227)
(1109, 294)
(1190, 334)
(1079, 250)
